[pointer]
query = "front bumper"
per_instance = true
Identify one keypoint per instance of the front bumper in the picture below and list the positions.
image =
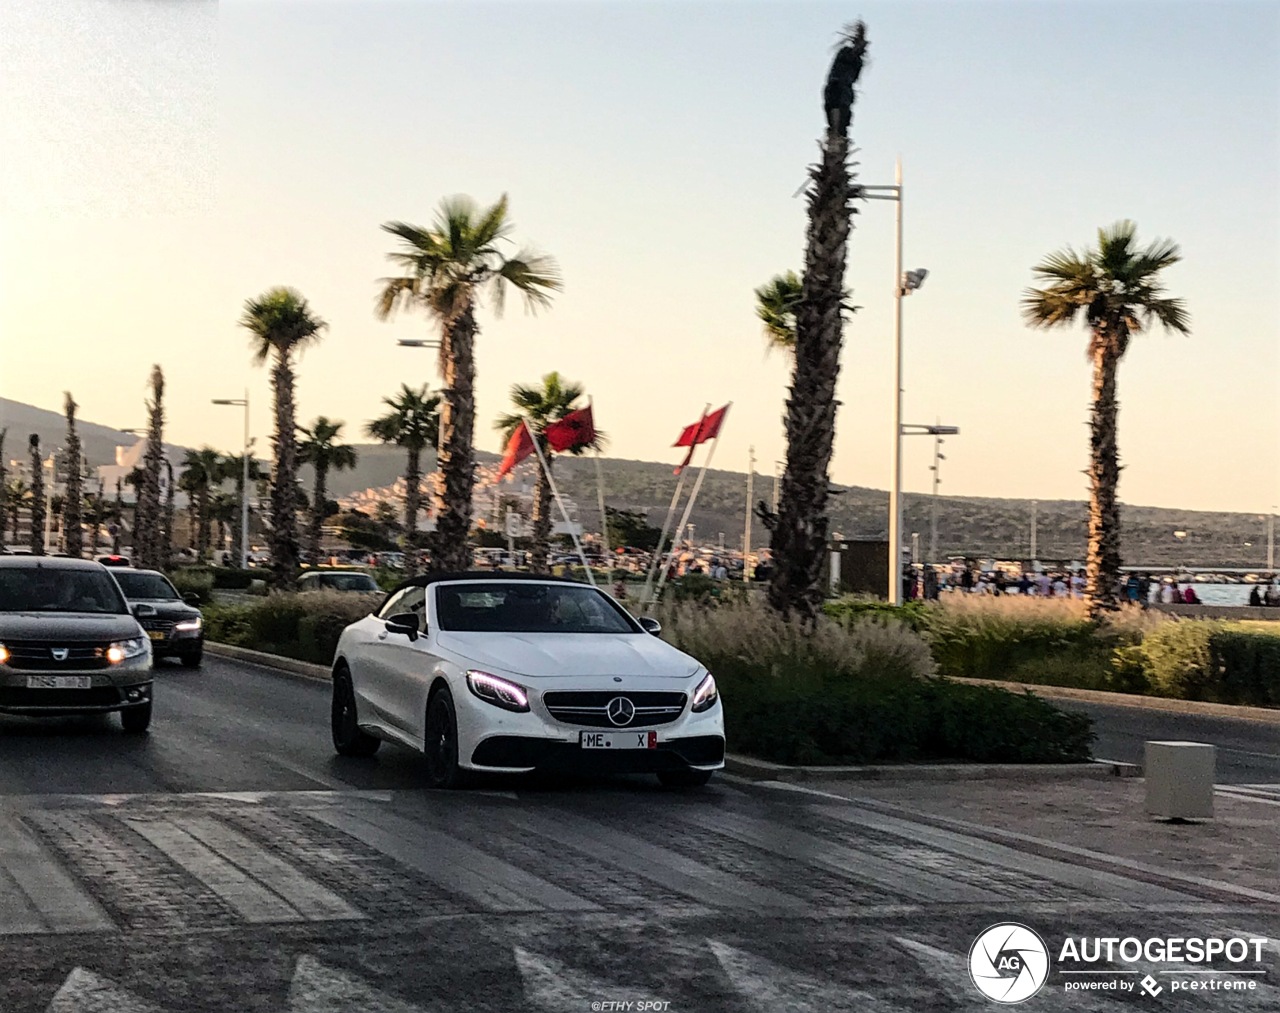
(178, 642)
(128, 684)
(492, 739)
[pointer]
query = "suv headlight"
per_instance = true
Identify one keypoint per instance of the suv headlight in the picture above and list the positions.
(4, 654)
(499, 692)
(188, 625)
(705, 696)
(124, 649)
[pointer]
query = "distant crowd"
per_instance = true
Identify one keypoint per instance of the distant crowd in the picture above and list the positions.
(929, 584)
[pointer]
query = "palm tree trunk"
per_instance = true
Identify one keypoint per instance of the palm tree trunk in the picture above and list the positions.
(541, 520)
(4, 490)
(146, 530)
(284, 493)
(799, 533)
(202, 538)
(166, 544)
(1103, 560)
(73, 500)
(412, 501)
(119, 521)
(450, 549)
(319, 495)
(36, 535)
(235, 528)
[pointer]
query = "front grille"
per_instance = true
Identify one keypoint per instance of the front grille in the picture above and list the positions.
(95, 696)
(590, 709)
(30, 655)
(164, 625)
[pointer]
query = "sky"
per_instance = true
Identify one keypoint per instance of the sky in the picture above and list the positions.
(162, 161)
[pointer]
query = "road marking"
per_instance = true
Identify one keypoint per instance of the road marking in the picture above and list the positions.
(248, 898)
(1097, 882)
(319, 988)
(304, 895)
(769, 987)
(455, 866)
(886, 874)
(86, 992)
(61, 903)
(556, 987)
(670, 869)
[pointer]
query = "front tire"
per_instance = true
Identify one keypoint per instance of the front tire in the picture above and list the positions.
(136, 720)
(192, 659)
(348, 739)
(440, 743)
(684, 778)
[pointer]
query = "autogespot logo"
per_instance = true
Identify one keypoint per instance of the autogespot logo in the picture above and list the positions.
(1009, 963)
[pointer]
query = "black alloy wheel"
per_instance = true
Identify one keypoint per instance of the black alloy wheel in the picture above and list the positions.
(441, 743)
(136, 719)
(348, 739)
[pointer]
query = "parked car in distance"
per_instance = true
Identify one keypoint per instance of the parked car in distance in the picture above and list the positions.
(114, 560)
(515, 673)
(338, 580)
(70, 643)
(176, 628)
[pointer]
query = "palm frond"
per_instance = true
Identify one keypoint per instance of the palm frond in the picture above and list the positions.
(535, 276)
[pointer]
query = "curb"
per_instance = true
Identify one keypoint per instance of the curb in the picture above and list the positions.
(1240, 712)
(275, 662)
(763, 770)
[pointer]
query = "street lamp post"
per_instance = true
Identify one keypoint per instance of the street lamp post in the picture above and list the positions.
(937, 432)
(244, 489)
(936, 468)
(1271, 540)
(904, 283)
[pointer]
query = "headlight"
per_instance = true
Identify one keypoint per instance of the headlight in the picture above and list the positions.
(122, 649)
(705, 696)
(188, 625)
(4, 654)
(499, 692)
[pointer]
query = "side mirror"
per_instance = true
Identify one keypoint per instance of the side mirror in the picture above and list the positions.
(651, 625)
(144, 611)
(405, 623)
(191, 598)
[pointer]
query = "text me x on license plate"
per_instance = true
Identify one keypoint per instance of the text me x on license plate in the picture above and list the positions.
(629, 739)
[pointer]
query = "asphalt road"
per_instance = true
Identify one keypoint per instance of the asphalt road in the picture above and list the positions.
(1248, 752)
(229, 862)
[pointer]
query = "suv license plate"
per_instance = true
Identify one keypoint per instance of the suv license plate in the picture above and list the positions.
(58, 682)
(629, 739)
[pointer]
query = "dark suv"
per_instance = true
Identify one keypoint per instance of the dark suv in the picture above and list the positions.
(176, 628)
(69, 643)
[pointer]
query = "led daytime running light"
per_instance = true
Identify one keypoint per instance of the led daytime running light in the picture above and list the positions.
(499, 692)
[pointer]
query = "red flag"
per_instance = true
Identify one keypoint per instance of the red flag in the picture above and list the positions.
(519, 447)
(577, 429)
(706, 428)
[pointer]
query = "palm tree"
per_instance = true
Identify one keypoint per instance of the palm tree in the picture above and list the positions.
(448, 267)
(73, 501)
(119, 520)
(776, 303)
(147, 536)
(1117, 291)
(282, 324)
(233, 467)
(166, 544)
(320, 449)
(4, 488)
(17, 495)
(224, 511)
(541, 406)
(799, 531)
(37, 496)
(414, 424)
(201, 474)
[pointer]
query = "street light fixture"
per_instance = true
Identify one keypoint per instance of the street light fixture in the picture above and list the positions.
(244, 489)
(904, 283)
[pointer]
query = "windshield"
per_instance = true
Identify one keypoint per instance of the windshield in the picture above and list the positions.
(528, 608)
(349, 582)
(145, 585)
(48, 589)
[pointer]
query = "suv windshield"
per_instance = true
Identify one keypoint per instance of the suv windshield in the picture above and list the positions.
(50, 589)
(528, 608)
(145, 585)
(347, 582)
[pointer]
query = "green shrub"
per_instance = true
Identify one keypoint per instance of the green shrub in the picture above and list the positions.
(1246, 657)
(302, 626)
(1223, 662)
(193, 580)
(1177, 662)
(914, 614)
(227, 578)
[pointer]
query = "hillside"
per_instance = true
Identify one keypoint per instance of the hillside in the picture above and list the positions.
(970, 525)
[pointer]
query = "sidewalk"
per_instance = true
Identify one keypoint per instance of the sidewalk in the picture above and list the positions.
(1240, 846)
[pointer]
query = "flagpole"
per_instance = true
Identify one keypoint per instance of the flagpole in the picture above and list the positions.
(604, 517)
(546, 469)
(656, 561)
(693, 496)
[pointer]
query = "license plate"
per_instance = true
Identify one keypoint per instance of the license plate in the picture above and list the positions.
(58, 682)
(629, 739)
(156, 634)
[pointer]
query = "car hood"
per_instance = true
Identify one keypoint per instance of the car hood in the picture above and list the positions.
(68, 627)
(167, 608)
(570, 655)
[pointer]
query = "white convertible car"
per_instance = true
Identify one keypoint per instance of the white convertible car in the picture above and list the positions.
(519, 673)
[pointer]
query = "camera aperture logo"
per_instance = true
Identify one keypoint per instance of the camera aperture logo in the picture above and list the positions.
(1009, 963)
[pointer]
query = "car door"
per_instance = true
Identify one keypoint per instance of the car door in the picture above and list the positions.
(410, 667)
(369, 661)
